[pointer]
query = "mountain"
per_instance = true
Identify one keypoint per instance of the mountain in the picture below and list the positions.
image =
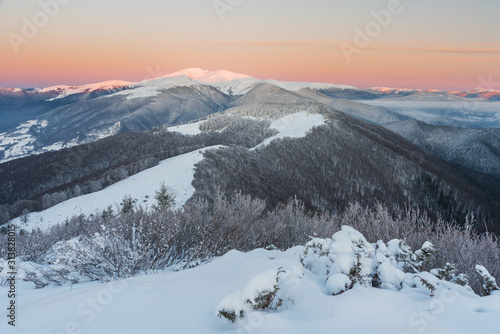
(41, 120)
(489, 94)
(454, 111)
(472, 149)
(436, 94)
(83, 118)
(65, 116)
(271, 151)
(64, 90)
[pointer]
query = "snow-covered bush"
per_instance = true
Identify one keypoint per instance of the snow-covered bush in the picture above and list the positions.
(54, 275)
(450, 273)
(104, 256)
(348, 260)
(203, 229)
(40, 275)
(489, 282)
(266, 291)
(338, 283)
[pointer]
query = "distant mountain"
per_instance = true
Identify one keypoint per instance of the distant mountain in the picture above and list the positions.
(435, 94)
(476, 149)
(40, 120)
(448, 110)
(64, 90)
(489, 94)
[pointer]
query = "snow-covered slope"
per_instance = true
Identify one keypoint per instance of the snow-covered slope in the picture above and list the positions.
(64, 90)
(186, 301)
(294, 126)
(20, 141)
(177, 174)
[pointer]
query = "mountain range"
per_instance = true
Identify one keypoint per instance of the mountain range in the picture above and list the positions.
(81, 139)
(40, 120)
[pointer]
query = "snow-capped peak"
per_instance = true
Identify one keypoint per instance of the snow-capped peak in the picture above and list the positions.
(208, 76)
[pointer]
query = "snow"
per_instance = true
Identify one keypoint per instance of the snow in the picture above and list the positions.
(391, 276)
(64, 90)
(481, 92)
(294, 126)
(295, 86)
(241, 83)
(388, 90)
(208, 76)
(11, 89)
(177, 173)
(191, 129)
(153, 87)
(225, 81)
(19, 142)
(337, 283)
(185, 302)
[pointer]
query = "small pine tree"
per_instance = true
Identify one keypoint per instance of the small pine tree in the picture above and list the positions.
(164, 198)
(128, 204)
(427, 284)
(447, 273)
(424, 255)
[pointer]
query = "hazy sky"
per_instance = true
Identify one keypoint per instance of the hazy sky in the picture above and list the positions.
(444, 44)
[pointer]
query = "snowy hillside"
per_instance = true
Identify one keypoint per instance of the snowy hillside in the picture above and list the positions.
(176, 173)
(189, 301)
(294, 126)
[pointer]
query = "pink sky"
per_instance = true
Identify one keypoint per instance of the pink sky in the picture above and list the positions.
(423, 45)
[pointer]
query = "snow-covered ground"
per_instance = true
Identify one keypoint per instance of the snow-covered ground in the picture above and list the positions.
(191, 129)
(186, 302)
(177, 174)
(294, 126)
